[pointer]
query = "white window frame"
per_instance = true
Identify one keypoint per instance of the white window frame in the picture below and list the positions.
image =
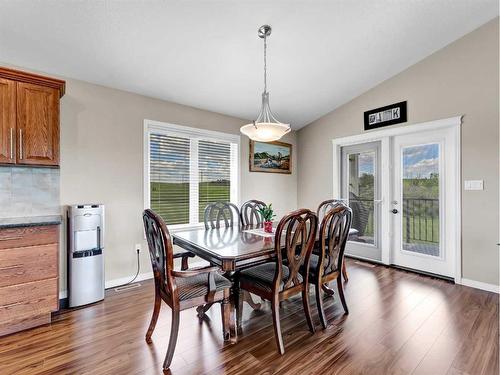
(158, 127)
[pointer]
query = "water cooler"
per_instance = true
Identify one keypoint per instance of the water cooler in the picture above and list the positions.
(85, 254)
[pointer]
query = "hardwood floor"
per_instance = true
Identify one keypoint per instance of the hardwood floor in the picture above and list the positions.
(399, 323)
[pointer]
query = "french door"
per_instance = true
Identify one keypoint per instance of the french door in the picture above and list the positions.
(422, 206)
(403, 188)
(361, 189)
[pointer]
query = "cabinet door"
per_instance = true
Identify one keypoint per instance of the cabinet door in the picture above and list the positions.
(37, 125)
(7, 121)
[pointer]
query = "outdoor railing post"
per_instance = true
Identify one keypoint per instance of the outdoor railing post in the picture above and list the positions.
(407, 220)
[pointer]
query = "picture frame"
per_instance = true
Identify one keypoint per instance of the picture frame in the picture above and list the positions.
(270, 157)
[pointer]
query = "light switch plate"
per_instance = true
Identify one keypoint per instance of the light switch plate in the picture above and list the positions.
(474, 185)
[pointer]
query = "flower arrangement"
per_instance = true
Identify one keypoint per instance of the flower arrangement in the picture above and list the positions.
(268, 215)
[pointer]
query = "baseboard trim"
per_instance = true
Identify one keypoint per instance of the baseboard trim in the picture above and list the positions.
(124, 280)
(63, 294)
(480, 285)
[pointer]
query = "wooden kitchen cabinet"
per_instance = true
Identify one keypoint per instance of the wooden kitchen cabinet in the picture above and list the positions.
(7, 121)
(29, 118)
(29, 276)
(37, 124)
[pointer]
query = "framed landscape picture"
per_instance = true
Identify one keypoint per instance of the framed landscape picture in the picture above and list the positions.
(270, 157)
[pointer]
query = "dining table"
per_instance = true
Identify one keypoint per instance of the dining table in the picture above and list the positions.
(232, 249)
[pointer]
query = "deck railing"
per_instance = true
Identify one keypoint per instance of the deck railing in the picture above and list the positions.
(421, 220)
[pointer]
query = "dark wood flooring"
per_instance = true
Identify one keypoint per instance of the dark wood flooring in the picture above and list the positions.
(399, 323)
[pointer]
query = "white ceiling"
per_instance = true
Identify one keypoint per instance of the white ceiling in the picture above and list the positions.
(206, 54)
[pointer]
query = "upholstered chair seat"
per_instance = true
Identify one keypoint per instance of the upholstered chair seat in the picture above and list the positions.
(197, 286)
(262, 276)
(314, 266)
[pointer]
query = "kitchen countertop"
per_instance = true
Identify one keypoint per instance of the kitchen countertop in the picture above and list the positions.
(29, 221)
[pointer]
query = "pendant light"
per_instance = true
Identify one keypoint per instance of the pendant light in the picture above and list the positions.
(266, 128)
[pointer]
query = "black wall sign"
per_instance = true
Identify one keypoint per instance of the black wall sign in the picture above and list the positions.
(383, 116)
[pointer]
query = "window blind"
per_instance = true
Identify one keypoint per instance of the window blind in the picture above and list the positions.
(214, 167)
(170, 178)
(188, 172)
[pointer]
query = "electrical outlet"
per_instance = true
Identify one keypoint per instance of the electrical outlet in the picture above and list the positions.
(138, 247)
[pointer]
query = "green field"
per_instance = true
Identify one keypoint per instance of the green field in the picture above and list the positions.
(171, 200)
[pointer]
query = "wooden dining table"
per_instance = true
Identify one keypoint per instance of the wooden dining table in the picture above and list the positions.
(232, 249)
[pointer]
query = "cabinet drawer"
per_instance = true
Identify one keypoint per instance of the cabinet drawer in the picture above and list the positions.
(29, 299)
(28, 236)
(26, 264)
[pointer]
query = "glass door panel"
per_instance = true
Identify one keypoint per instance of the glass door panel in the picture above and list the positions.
(362, 194)
(420, 198)
(360, 187)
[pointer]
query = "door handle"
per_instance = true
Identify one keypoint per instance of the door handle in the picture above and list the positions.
(12, 143)
(20, 143)
(394, 211)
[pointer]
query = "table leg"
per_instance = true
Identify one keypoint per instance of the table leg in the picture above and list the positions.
(226, 318)
(241, 296)
(232, 309)
(328, 291)
(247, 297)
(238, 299)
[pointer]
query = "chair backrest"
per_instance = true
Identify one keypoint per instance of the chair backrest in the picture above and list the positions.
(249, 213)
(217, 212)
(160, 250)
(293, 243)
(326, 206)
(333, 234)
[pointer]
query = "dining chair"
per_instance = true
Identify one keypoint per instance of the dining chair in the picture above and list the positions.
(326, 266)
(326, 206)
(249, 212)
(277, 281)
(323, 208)
(220, 212)
(180, 290)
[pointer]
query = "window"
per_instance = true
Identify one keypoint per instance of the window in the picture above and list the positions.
(186, 168)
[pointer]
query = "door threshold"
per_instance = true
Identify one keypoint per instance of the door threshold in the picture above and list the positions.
(423, 273)
(402, 268)
(363, 259)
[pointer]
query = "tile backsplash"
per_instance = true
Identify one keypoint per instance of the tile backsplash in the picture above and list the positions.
(26, 191)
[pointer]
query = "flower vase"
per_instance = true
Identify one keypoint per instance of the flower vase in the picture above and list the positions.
(268, 226)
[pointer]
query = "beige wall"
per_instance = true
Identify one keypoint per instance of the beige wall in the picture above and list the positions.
(102, 161)
(461, 79)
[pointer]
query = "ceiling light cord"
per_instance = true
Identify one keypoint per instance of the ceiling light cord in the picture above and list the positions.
(265, 63)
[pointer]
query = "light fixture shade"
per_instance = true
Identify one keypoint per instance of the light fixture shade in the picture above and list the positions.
(265, 131)
(266, 128)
